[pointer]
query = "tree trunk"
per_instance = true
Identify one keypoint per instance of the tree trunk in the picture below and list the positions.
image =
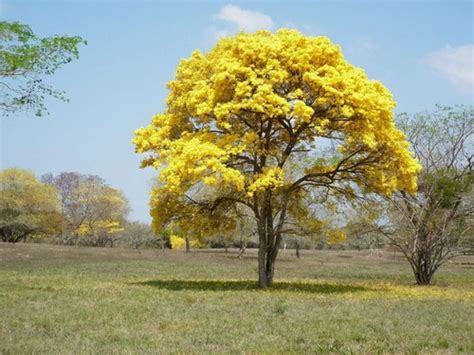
(423, 271)
(269, 238)
(8, 235)
(242, 250)
(423, 264)
(262, 262)
(267, 254)
(298, 246)
(188, 247)
(266, 268)
(423, 277)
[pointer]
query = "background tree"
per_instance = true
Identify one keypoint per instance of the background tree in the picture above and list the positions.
(92, 211)
(103, 209)
(314, 217)
(365, 238)
(67, 184)
(163, 239)
(177, 242)
(238, 231)
(364, 220)
(237, 116)
(245, 231)
(436, 224)
(27, 206)
(25, 60)
(136, 234)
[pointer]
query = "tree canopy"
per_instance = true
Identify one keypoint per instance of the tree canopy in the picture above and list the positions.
(25, 59)
(27, 206)
(437, 223)
(239, 120)
(90, 208)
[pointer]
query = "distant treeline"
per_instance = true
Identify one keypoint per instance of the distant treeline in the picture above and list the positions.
(78, 209)
(69, 208)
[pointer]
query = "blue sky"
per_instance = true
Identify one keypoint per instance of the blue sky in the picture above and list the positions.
(422, 51)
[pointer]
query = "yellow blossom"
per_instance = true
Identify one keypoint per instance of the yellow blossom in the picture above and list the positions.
(237, 114)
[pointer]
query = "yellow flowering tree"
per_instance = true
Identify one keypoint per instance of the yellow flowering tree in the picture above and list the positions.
(103, 210)
(177, 242)
(90, 208)
(240, 117)
(28, 208)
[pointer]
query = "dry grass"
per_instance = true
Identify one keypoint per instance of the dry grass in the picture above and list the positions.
(75, 300)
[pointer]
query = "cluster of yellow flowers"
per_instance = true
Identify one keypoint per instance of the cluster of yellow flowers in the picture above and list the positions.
(177, 242)
(336, 236)
(298, 87)
(302, 111)
(270, 178)
(101, 226)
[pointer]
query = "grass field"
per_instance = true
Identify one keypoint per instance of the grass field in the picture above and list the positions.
(56, 299)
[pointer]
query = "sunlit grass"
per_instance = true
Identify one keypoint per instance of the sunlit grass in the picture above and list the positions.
(356, 290)
(80, 300)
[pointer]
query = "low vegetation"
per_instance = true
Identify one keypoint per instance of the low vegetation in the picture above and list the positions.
(83, 299)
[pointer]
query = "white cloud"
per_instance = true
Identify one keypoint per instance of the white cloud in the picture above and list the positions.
(215, 33)
(245, 20)
(456, 64)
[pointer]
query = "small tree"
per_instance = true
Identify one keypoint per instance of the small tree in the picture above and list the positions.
(436, 224)
(25, 60)
(163, 239)
(27, 206)
(239, 117)
(136, 234)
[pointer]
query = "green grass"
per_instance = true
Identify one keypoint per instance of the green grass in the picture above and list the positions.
(56, 299)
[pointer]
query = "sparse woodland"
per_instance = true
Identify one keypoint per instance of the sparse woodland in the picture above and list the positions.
(292, 208)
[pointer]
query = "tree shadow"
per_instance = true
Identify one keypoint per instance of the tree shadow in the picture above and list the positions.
(247, 285)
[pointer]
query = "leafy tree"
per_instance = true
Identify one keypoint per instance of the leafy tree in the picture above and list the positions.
(163, 239)
(91, 209)
(239, 117)
(27, 206)
(25, 60)
(436, 224)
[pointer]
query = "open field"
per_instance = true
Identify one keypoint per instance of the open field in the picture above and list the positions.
(73, 300)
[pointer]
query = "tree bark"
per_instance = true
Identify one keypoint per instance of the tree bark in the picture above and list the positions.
(423, 268)
(188, 247)
(242, 250)
(269, 245)
(270, 238)
(423, 277)
(262, 254)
